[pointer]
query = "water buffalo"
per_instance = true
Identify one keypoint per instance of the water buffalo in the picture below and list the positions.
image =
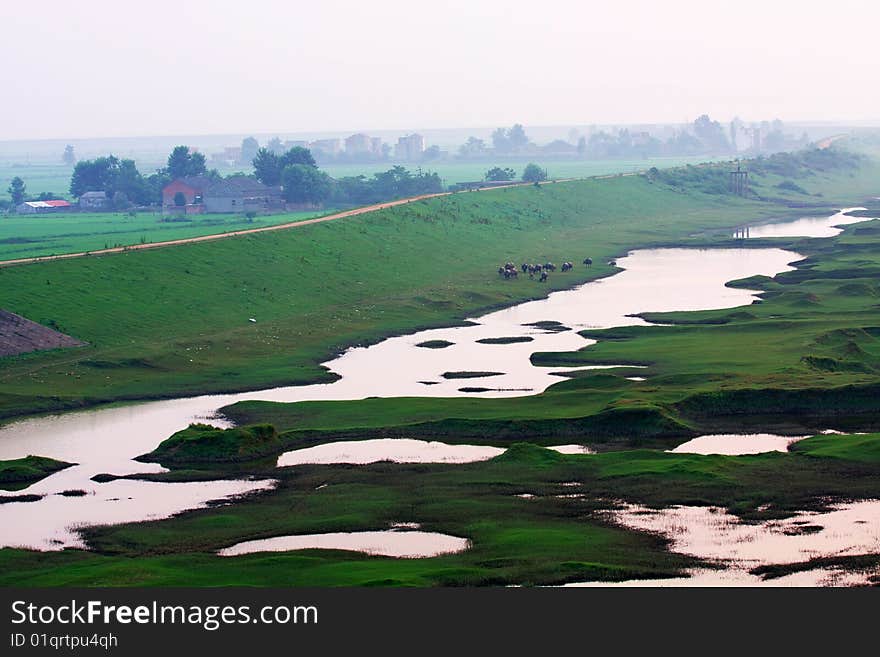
(588, 262)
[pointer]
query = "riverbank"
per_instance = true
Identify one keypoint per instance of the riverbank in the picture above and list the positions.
(533, 516)
(566, 536)
(176, 321)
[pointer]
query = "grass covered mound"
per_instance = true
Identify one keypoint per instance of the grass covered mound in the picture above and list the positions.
(435, 344)
(30, 469)
(855, 447)
(316, 295)
(205, 444)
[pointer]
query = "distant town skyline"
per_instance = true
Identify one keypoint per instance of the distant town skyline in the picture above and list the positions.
(94, 69)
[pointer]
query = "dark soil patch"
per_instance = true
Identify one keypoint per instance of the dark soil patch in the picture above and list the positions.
(435, 344)
(510, 340)
(549, 326)
(20, 336)
(73, 492)
(469, 375)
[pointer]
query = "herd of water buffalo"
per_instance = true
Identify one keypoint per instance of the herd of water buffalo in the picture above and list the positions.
(509, 270)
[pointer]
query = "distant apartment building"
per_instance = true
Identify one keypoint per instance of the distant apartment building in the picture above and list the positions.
(327, 146)
(295, 143)
(640, 138)
(358, 144)
(376, 146)
(230, 156)
(410, 147)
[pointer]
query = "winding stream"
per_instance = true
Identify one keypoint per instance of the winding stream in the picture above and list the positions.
(106, 440)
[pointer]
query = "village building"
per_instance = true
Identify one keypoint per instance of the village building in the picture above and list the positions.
(327, 146)
(93, 201)
(42, 207)
(201, 194)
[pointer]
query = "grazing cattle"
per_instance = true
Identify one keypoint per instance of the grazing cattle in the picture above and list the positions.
(588, 262)
(543, 276)
(566, 266)
(508, 270)
(549, 266)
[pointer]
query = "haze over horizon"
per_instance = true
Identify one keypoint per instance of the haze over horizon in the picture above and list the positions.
(90, 69)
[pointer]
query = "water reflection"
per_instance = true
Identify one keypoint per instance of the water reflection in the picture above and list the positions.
(806, 227)
(106, 440)
(390, 543)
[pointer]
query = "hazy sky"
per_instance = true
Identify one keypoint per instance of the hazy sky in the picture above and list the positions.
(91, 68)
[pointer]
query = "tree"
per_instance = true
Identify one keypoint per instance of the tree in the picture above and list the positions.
(510, 140)
(500, 175)
(431, 153)
(500, 142)
(179, 199)
(93, 175)
(275, 145)
(153, 185)
(517, 138)
(17, 191)
(110, 175)
(305, 184)
(267, 167)
(182, 163)
(533, 173)
(69, 158)
(298, 155)
(559, 146)
(120, 200)
(473, 147)
(249, 148)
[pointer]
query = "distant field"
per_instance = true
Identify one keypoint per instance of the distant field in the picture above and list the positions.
(38, 178)
(454, 172)
(56, 178)
(25, 236)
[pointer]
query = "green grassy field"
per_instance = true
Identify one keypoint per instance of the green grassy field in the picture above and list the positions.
(456, 172)
(543, 540)
(19, 473)
(174, 321)
(54, 178)
(27, 236)
(804, 359)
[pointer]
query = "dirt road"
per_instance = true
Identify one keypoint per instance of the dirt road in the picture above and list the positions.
(264, 229)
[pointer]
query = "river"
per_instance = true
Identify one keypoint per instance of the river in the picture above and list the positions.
(105, 440)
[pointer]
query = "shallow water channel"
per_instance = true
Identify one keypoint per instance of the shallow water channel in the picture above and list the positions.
(806, 227)
(106, 440)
